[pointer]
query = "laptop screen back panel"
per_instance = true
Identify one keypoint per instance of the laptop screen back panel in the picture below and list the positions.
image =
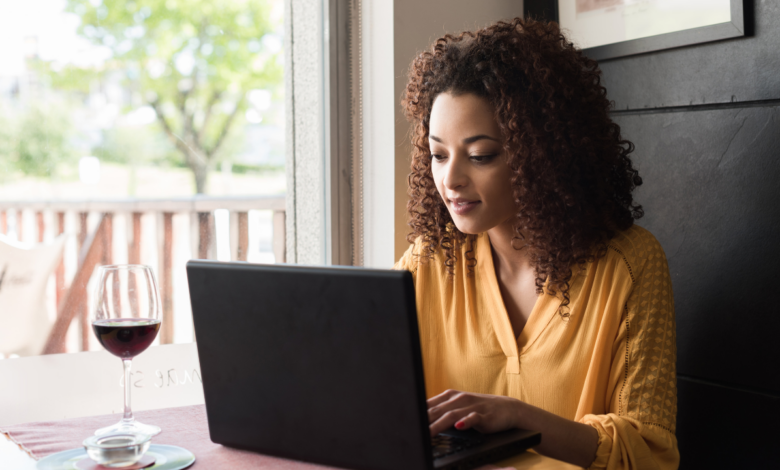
(316, 364)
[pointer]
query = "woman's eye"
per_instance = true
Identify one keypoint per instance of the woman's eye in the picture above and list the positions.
(482, 158)
(437, 157)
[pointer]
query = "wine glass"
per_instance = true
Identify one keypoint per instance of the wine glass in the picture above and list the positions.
(126, 321)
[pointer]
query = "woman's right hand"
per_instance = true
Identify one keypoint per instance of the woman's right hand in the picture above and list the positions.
(464, 410)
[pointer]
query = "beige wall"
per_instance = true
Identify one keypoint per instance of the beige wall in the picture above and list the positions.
(379, 104)
(417, 24)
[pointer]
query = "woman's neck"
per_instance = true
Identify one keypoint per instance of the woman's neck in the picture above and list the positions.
(505, 256)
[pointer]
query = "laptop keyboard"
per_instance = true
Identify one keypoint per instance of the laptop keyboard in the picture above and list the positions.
(444, 445)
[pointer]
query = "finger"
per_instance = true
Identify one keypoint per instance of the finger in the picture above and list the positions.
(441, 398)
(445, 402)
(448, 420)
(456, 400)
(469, 421)
(437, 411)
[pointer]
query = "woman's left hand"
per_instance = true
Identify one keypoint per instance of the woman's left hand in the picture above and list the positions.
(485, 413)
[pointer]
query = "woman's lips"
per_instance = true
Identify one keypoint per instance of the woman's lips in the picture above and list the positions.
(463, 206)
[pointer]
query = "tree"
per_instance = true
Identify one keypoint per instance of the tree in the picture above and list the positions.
(37, 141)
(7, 145)
(192, 61)
(43, 141)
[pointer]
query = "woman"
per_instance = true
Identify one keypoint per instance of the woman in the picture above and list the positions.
(541, 305)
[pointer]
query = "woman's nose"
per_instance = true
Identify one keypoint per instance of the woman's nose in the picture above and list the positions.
(455, 175)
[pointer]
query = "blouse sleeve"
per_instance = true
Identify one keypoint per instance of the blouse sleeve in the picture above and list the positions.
(638, 432)
(408, 261)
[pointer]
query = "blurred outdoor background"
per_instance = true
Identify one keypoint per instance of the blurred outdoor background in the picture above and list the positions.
(151, 98)
(128, 100)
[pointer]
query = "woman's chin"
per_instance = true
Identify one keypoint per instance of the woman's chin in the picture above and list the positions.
(468, 229)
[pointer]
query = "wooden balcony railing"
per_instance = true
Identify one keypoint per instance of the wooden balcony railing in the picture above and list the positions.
(95, 245)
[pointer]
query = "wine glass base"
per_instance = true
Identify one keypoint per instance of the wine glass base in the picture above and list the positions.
(134, 427)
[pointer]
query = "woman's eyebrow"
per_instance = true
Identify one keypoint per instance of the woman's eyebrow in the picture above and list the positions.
(470, 140)
(467, 140)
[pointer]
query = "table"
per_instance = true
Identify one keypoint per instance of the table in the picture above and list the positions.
(79, 391)
(187, 427)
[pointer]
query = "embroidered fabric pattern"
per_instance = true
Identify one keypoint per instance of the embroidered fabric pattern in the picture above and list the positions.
(652, 377)
(625, 377)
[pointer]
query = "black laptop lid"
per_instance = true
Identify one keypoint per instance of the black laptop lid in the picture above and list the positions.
(316, 364)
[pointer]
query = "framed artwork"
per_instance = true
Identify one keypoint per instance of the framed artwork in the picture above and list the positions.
(606, 29)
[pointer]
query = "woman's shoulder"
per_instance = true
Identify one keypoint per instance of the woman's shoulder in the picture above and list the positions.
(423, 255)
(411, 259)
(638, 248)
(408, 260)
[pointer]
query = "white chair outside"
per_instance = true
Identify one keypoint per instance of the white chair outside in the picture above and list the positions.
(24, 273)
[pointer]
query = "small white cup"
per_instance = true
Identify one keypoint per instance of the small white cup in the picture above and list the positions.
(117, 450)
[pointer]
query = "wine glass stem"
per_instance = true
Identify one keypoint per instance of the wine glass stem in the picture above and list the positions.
(128, 417)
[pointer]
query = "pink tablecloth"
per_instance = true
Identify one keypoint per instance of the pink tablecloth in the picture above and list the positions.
(184, 427)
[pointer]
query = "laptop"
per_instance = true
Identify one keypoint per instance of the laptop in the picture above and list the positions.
(323, 364)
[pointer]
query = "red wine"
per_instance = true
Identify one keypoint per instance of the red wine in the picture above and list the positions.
(126, 337)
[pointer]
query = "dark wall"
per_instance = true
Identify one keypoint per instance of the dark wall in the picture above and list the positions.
(705, 120)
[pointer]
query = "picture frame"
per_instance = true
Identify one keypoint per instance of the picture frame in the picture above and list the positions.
(739, 24)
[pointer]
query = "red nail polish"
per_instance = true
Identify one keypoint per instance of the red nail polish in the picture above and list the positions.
(460, 425)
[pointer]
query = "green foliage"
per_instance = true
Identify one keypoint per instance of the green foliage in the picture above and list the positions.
(193, 61)
(242, 169)
(136, 145)
(7, 147)
(68, 78)
(43, 142)
(37, 142)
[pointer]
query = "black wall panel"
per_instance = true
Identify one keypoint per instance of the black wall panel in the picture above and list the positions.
(706, 123)
(712, 198)
(743, 69)
(721, 427)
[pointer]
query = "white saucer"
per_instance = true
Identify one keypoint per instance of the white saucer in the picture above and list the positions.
(166, 458)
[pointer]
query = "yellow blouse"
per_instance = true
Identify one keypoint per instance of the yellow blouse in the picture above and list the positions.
(610, 364)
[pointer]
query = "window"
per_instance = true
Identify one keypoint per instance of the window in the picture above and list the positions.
(166, 115)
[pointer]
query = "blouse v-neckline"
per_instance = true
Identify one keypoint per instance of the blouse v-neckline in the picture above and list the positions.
(544, 310)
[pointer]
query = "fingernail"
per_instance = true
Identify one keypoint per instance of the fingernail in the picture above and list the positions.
(460, 425)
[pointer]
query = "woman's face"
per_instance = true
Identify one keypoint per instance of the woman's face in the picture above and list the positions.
(468, 163)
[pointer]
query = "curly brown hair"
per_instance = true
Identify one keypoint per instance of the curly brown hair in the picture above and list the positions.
(572, 176)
